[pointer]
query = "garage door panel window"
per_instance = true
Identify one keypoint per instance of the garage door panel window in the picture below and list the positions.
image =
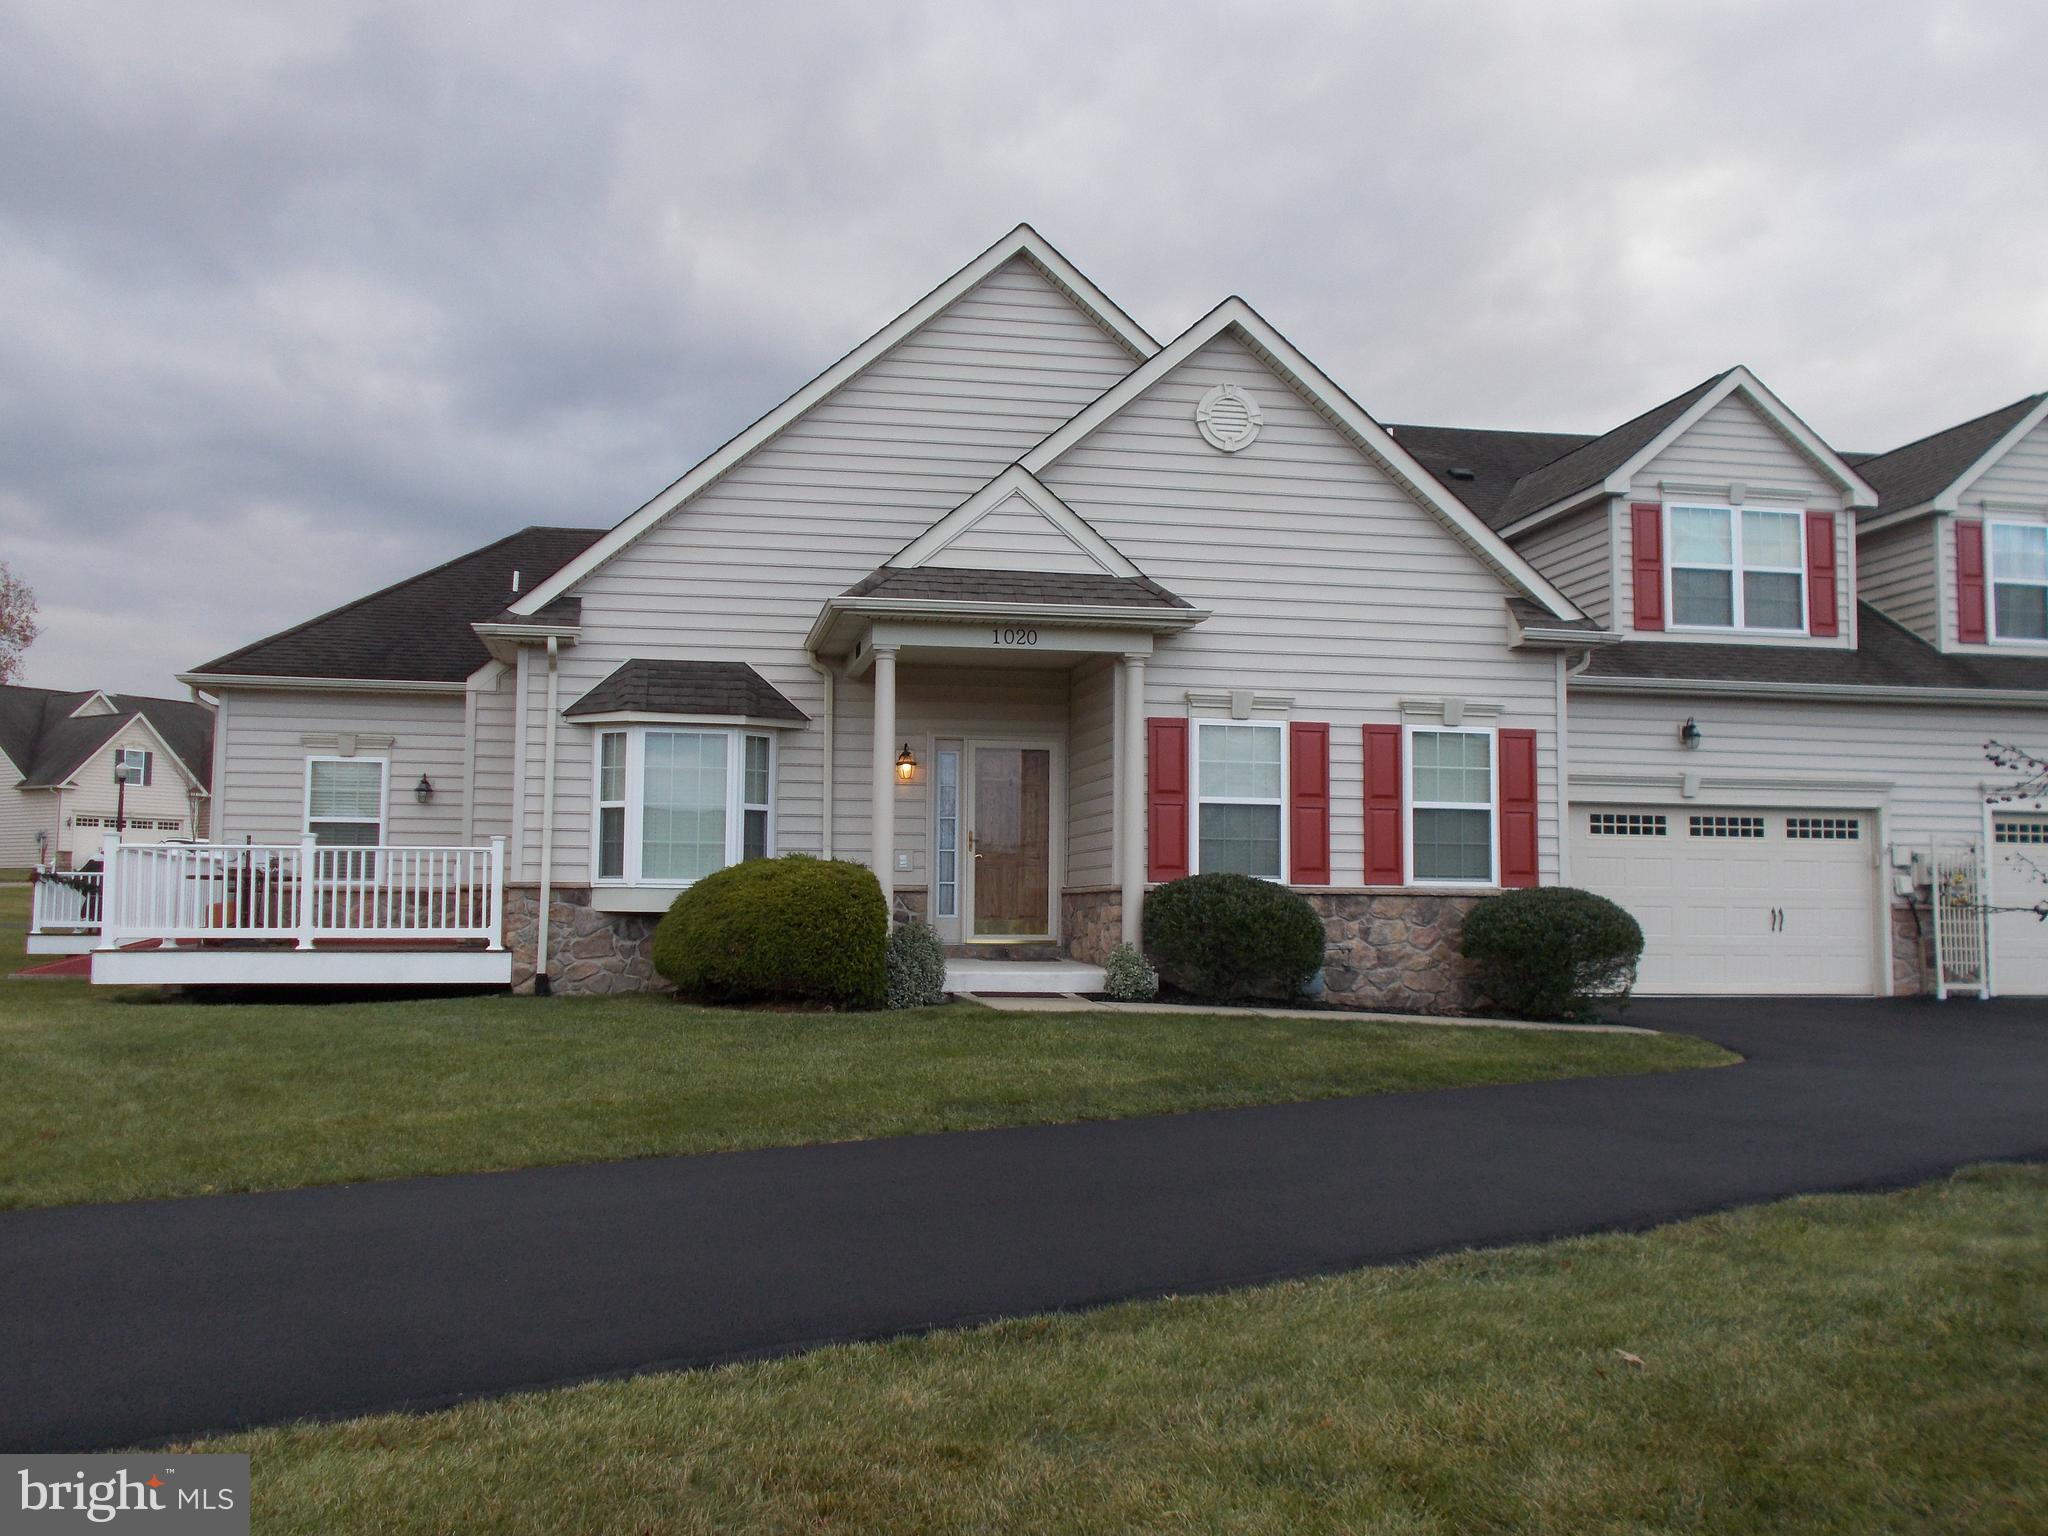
(1738, 568)
(1240, 778)
(1726, 826)
(1451, 800)
(2019, 581)
(1626, 824)
(1824, 829)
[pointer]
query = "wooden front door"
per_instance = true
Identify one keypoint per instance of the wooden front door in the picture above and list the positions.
(1010, 842)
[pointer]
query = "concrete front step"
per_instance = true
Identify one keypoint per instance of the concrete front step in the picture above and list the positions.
(1013, 976)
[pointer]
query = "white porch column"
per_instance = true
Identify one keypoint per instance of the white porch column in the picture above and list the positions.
(882, 822)
(1130, 756)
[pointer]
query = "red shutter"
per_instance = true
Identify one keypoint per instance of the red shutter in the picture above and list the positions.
(1308, 803)
(148, 767)
(1648, 564)
(1970, 583)
(1517, 808)
(1166, 809)
(1821, 608)
(1383, 863)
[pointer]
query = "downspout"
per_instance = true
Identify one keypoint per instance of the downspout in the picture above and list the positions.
(541, 986)
(831, 733)
(1564, 777)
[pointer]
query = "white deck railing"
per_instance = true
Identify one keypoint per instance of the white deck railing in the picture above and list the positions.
(301, 892)
(64, 901)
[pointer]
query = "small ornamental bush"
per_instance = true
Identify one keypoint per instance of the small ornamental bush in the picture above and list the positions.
(1227, 938)
(917, 968)
(1552, 952)
(793, 929)
(1127, 977)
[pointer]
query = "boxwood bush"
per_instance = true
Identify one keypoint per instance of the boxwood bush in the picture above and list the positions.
(1552, 952)
(1229, 938)
(917, 967)
(792, 929)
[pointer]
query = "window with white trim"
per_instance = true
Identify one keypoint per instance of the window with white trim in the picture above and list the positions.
(946, 832)
(2019, 581)
(136, 760)
(676, 803)
(1738, 568)
(1239, 793)
(345, 806)
(1451, 806)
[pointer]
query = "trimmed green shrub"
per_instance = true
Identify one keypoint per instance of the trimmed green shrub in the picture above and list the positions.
(1127, 978)
(1231, 937)
(793, 929)
(1552, 952)
(917, 967)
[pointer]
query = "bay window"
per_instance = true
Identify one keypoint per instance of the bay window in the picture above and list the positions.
(1451, 806)
(2019, 581)
(1240, 813)
(1738, 568)
(674, 804)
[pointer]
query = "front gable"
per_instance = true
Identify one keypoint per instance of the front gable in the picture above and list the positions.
(1734, 444)
(1014, 523)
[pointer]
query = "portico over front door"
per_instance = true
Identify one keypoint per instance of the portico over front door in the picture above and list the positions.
(1009, 840)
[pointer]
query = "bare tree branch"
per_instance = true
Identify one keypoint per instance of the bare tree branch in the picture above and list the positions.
(17, 622)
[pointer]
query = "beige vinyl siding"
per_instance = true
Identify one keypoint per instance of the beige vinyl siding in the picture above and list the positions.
(740, 572)
(491, 772)
(1931, 755)
(264, 794)
(167, 797)
(1897, 575)
(1329, 585)
(1091, 774)
(1574, 552)
(1014, 537)
(23, 813)
(2020, 476)
(1732, 446)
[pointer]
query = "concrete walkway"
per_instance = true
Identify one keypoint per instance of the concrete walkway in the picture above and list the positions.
(131, 1323)
(1073, 1002)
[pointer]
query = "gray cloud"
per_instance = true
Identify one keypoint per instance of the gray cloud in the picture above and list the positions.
(299, 299)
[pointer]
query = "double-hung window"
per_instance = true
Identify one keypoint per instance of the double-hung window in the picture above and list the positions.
(1738, 568)
(1240, 810)
(136, 760)
(674, 804)
(345, 803)
(1451, 810)
(2019, 581)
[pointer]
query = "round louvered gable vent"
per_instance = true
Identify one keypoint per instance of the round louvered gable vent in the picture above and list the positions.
(1229, 418)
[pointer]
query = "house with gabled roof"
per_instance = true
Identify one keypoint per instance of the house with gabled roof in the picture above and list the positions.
(1030, 613)
(58, 753)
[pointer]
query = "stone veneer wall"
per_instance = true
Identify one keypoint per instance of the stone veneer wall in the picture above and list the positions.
(1912, 951)
(1091, 923)
(1394, 950)
(588, 951)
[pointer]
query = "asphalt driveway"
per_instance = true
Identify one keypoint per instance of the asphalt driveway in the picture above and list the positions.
(141, 1322)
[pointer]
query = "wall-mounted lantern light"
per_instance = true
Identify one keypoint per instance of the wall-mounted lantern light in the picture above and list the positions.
(1689, 734)
(906, 764)
(424, 790)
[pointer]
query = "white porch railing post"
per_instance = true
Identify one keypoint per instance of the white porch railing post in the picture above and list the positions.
(110, 890)
(309, 894)
(496, 918)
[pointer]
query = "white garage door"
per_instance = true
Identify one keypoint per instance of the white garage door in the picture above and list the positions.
(2019, 879)
(1736, 900)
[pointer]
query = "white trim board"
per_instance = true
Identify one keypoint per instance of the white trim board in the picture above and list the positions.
(1233, 315)
(1620, 481)
(1022, 241)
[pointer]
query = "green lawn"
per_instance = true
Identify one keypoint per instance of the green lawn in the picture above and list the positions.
(1849, 1364)
(121, 1095)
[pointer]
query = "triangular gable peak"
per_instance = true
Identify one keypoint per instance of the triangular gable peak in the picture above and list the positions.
(1236, 318)
(1023, 243)
(96, 703)
(1014, 523)
(1737, 383)
(66, 775)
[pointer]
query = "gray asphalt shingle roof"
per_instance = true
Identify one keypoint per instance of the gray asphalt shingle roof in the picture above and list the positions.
(416, 630)
(1921, 470)
(1586, 466)
(687, 688)
(1480, 466)
(1090, 589)
(40, 737)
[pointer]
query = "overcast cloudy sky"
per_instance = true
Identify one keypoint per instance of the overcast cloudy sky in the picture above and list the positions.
(297, 299)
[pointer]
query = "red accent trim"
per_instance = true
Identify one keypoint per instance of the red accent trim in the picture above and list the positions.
(1647, 526)
(1517, 808)
(1970, 627)
(1166, 809)
(1308, 803)
(1383, 862)
(1822, 609)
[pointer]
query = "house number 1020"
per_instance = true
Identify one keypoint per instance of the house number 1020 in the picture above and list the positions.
(1015, 636)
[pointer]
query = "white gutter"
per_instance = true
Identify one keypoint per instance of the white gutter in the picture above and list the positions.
(541, 985)
(831, 679)
(2034, 698)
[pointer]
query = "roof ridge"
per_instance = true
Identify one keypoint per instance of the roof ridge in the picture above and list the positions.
(2024, 404)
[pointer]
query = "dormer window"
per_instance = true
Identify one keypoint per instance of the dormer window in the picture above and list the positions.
(2019, 581)
(1738, 568)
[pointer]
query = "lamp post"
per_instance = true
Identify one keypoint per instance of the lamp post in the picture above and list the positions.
(125, 773)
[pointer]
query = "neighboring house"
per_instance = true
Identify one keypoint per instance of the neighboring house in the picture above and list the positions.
(58, 751)
(1030, 612)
